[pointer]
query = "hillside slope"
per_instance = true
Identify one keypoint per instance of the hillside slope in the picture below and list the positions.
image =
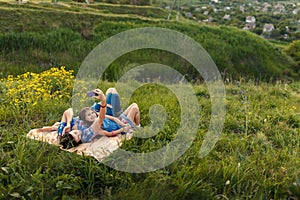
(34, 37)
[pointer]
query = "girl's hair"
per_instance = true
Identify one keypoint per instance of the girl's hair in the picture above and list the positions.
(82, 116)
(67, 141)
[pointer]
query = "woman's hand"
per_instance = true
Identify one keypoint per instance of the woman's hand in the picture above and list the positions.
(67, 129)
(126, 128)
(100, 95)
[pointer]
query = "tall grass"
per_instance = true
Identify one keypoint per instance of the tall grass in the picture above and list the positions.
(35, 35)
(256, 157)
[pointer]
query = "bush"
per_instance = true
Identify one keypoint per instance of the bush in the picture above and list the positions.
(27, 89)
(293, 50)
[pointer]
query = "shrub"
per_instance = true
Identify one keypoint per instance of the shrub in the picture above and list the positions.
(27, 89)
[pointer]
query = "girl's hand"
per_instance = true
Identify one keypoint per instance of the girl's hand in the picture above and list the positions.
(100, 95)
(126, 128)
(66, 129)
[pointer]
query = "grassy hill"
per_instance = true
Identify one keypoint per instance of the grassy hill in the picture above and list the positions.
(256, 157)
(36, 36)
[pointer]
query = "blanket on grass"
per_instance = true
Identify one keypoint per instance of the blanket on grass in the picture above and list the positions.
(99, 148)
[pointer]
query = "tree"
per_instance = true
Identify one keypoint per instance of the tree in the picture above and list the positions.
(293, 50)
(275, 34)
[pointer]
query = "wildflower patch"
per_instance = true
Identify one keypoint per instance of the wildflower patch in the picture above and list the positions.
(29, 89)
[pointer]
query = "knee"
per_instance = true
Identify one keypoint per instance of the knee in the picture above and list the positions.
(68, 110)
(111, 90)
(135, 106)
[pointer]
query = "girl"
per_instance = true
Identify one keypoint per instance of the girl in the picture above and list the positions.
(67, 122)
(92, 126)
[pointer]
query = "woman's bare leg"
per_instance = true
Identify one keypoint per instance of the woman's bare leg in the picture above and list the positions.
(49, 128)
(66, 117)
(111, 90)
(133, 113)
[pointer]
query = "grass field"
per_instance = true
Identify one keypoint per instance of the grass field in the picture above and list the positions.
(34, 38)
(256, 157)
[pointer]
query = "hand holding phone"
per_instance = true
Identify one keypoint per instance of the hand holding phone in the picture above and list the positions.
(91, 94)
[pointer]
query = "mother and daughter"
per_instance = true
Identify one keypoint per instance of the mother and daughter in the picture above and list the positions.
(102, 119)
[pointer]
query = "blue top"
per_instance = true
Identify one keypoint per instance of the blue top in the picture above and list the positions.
(110, 125)
(88, 134)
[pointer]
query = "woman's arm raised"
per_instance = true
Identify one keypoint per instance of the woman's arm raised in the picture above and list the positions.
(96, 126)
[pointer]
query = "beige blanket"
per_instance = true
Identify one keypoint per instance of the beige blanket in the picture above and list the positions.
(98, 149)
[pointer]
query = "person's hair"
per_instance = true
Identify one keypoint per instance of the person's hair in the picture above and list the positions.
(68, 141)
(82, 116)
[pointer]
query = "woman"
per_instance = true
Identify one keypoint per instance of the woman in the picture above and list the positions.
(92, 126)
(68, 121)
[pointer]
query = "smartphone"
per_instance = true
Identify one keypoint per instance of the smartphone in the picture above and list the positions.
(91, 94)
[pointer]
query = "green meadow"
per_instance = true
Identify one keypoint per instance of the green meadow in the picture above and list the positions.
(257, 156)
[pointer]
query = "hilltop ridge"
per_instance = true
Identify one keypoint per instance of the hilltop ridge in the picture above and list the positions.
(36, 36)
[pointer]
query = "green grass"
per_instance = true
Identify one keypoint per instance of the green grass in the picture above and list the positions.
(34, 35)
(256, 157)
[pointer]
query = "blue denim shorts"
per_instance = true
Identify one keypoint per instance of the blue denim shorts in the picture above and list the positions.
(126, 120)
(114, 100)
